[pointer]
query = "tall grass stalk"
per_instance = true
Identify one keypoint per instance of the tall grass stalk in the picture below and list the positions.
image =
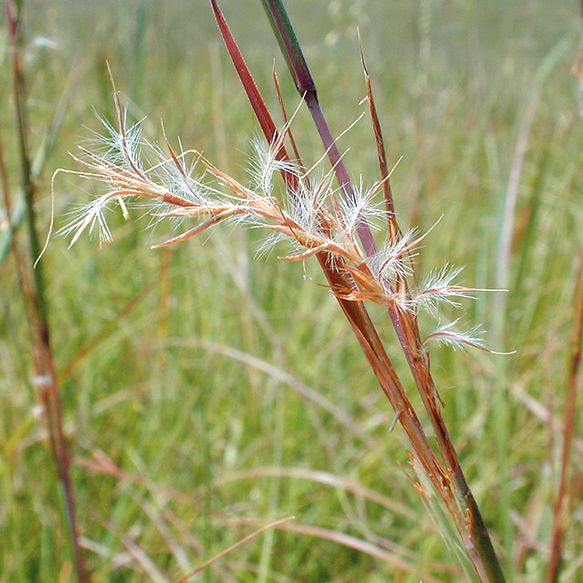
(565, 488)
(404, 323)
(316, 220)
(507, 219)
(501, 401)
(32, 283)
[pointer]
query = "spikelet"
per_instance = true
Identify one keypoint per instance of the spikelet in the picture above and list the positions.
(312, 219)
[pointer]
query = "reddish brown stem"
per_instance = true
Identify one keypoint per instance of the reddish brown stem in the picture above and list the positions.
(306, 87)
(257, 102)
(394, 231)
(32, 283)
(562, 501)
(449, 482)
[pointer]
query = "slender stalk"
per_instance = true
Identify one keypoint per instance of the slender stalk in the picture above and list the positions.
(502, 280)
(562, 501)
(18, 86)
(450, 484)
(405, 323)
(501, 407)
(479, 528)
(32, 282)
(394, 231)
(307, 88)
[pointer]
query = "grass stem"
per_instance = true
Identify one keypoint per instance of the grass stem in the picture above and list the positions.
(33, 286)
(405, 324)
(563, 498)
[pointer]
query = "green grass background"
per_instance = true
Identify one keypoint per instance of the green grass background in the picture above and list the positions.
(185, 371)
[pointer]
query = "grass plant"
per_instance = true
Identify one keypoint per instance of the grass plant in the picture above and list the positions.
(189, 426)
(32, 283)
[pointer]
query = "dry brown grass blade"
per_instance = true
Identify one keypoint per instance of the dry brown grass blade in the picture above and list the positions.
(363, 546)
(277, 523)
(331, 480)
(286, 120)
(393, 228)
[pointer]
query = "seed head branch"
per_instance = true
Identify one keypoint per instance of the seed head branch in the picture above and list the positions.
(312, 219)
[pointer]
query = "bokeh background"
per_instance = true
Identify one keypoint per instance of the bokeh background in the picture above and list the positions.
(207, 391)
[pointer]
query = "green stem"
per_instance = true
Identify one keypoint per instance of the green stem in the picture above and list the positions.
(307, 88)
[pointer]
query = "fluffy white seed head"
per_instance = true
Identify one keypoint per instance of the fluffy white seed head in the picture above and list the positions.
(393, 260)
(314, 218)
(458, 339)
(438, 290)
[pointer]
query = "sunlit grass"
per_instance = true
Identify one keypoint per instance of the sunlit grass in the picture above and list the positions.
(192, 392)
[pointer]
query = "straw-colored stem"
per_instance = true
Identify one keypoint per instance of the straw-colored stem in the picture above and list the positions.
(501, 408)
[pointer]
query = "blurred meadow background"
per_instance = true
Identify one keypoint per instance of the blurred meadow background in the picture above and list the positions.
(205, 391)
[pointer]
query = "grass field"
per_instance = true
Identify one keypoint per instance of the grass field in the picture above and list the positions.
(206, 391)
